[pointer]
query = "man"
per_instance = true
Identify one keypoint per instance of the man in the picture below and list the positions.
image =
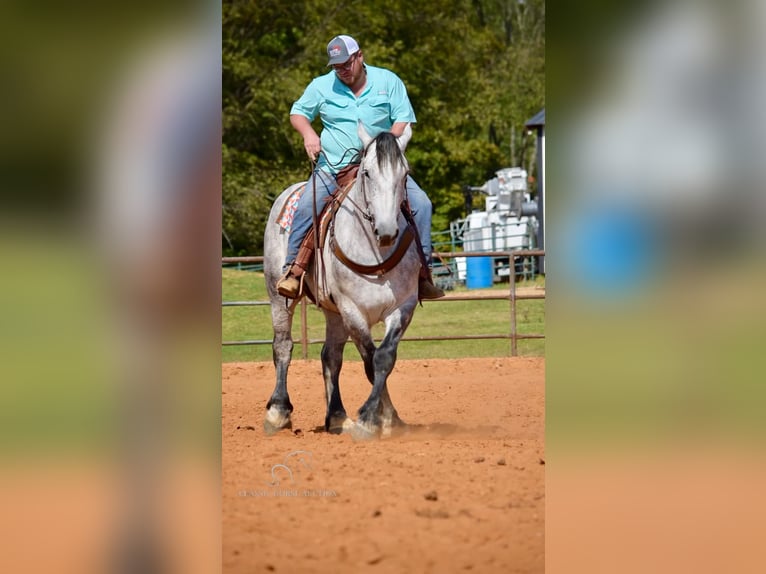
(350, 92)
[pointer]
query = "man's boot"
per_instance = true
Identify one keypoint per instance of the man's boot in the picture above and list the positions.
(289, 284)
(426, 287)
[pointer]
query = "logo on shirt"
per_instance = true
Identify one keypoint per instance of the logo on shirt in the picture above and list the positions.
(382, 93)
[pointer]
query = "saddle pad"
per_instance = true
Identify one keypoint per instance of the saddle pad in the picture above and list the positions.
(285, 220)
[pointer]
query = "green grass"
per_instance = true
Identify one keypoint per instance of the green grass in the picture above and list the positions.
(434, 318)
(56, 394)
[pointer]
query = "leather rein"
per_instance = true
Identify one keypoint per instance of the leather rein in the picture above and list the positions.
(379, 268)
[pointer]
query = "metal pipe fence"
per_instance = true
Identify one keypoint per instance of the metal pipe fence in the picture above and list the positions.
(512, 297)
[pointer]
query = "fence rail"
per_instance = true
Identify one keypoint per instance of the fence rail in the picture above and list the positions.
(513, 335)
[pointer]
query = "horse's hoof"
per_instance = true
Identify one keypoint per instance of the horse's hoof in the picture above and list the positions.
(360, 432)
(340, 426)
(270, 429)
(276, 421)
(394, 426)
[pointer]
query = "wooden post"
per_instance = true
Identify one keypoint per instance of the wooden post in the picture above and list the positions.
(512, 260)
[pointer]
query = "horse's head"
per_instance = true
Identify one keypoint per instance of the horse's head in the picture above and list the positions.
(382, 178)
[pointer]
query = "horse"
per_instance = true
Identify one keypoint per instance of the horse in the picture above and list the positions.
(356, 289)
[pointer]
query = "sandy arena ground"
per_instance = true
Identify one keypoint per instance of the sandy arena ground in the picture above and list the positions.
(463, 490)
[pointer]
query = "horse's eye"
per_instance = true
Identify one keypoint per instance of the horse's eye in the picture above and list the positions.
(366, 173)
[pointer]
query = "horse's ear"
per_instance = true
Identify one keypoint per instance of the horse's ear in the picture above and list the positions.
(404, 139)
(362, 133)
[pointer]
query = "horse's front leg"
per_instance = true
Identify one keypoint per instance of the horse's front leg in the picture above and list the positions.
(279, 408)
(389, 418)
(336, 421)
(378, 415)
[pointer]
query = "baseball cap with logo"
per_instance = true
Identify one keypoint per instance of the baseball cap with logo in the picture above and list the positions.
(340, 49)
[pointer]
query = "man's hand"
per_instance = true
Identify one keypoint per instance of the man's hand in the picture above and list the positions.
(311, 141)
(312, 144)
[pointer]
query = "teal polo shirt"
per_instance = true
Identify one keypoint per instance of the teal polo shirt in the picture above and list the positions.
(383, 102)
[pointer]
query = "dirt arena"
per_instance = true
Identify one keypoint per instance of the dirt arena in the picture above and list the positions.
(463, 490)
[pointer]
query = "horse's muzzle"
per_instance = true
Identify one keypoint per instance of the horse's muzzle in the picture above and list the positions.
(387, 239)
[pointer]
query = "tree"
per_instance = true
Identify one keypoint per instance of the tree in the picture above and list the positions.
(474, 70)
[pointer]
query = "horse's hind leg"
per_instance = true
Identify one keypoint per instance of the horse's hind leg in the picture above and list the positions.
(390, 421)
(279, 408)
(336, 421)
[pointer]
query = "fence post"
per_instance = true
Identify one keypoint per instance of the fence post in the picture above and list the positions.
(512, 276)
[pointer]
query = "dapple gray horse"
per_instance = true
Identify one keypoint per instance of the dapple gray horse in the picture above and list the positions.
(366, 232)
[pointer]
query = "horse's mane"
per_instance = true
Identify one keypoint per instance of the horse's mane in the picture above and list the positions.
(387, 149)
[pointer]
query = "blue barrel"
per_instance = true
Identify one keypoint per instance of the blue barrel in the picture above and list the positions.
(478, 272)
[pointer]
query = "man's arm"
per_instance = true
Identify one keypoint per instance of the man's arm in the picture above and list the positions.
(311, 140)
(398, 128)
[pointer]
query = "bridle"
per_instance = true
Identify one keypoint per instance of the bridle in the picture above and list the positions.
(362, 176)
(366, 213)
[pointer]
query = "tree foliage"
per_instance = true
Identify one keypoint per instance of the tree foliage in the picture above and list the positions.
(474, 70)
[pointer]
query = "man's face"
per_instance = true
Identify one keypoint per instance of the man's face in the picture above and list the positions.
(351, 70)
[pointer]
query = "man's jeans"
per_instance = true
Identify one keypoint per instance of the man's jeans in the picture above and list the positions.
(325, 184)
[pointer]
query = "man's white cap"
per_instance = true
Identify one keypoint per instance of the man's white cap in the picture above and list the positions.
(340, 49)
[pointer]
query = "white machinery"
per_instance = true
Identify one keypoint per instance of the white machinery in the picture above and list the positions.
(508, 222)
